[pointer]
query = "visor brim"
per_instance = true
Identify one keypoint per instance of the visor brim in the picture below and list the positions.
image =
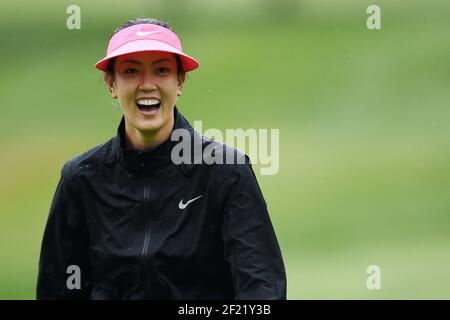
(188, 63)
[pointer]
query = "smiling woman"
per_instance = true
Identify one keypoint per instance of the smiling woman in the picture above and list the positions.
(134, 224)
(147, 85)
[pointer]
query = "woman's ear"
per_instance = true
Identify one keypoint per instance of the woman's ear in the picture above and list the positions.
(110, 84)
(181, 78)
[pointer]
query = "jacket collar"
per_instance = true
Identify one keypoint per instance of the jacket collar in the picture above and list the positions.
(154, 159)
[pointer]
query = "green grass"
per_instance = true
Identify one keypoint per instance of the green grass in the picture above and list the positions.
(364, 137)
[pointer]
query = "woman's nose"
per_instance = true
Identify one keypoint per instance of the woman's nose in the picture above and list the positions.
(147, 82)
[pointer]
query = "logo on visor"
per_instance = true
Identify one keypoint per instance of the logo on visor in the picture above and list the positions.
(140, 33)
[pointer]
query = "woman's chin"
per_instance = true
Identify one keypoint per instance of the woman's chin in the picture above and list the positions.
(149, 126)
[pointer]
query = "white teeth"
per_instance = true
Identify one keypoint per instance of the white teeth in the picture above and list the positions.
(148, 102)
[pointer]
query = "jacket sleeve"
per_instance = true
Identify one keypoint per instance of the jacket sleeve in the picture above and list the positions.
(251, 246)
(64, 263)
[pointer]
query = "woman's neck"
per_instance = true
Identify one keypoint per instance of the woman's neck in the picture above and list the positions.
(139, 140)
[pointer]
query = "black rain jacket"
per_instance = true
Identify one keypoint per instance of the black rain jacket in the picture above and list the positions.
(137, 226)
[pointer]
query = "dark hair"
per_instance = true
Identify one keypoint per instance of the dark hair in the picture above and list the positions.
(134, 22)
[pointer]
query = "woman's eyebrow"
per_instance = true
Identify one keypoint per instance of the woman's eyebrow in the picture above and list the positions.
(131, 61)
(140, 63)
(161, 60)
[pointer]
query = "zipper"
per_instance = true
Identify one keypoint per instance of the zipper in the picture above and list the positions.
(148, 264)
(152, 285)
(148, 229)
(147, 237)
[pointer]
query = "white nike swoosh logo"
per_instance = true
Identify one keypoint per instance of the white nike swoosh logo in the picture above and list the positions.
(140, 33)
(182, 205)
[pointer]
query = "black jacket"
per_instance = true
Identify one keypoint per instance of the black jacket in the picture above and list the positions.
(116, 215)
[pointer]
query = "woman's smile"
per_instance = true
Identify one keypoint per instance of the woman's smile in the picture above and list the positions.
(148, 106)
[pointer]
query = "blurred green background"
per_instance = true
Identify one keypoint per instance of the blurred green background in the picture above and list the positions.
(364, 123)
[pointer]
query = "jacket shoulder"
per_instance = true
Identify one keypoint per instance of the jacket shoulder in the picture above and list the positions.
(91, 159)
(224, 159)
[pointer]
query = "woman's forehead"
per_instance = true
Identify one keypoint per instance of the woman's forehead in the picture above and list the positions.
(147, 56)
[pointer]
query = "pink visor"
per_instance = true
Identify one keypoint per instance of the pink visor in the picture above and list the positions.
(146, 37)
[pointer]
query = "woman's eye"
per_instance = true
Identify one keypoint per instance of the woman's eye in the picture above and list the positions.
(130, 70)
(163, 70)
